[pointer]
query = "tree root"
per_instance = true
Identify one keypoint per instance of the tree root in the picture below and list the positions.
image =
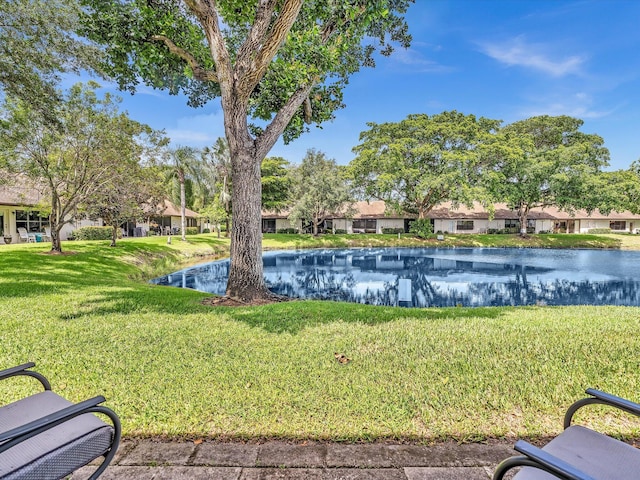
(226, 301)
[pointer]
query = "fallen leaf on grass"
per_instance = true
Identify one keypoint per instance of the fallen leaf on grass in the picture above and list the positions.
(341, 358)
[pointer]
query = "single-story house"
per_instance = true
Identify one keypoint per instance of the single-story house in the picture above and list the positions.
(373, 217)
(462, 219)
(369, 217)
(20, 203)
(166, 219)
(21, 200)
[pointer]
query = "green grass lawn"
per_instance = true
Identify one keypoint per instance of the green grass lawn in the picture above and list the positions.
(173, 367)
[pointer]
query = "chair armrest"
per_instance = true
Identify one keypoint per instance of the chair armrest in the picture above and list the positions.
(10, 372)
(16, 435)
(602, 398)
(537, 458)
(24, 370)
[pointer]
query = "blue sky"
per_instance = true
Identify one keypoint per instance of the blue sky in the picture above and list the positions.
(507, 60)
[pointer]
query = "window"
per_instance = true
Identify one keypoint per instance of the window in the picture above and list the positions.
(464, 225)
(31, 221)
(618, 225)
(364, 226)
(512, 223)
(268, 225)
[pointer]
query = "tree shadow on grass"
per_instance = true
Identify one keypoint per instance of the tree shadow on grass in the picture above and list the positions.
(27, 273)
(295, 316)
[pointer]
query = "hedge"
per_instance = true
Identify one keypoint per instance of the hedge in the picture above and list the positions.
(95, 233)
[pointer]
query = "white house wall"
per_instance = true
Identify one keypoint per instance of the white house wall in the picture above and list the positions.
(389, 223)
(9, 219)
(283, 223)
(8, 227)
(342, 224)
(588, 224)
(479, 225)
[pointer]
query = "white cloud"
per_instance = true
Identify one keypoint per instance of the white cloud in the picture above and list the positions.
(415, 58)
(197, 130)
(579, 105)
(516, 52)
(152, 92)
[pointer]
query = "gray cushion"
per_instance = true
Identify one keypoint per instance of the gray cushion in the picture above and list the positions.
(56, 452)
(602, 457)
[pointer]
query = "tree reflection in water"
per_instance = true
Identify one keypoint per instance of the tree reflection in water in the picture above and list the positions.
(439, 277)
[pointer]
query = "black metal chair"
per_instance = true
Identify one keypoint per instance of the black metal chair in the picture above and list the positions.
(44, 436)
(578, 453)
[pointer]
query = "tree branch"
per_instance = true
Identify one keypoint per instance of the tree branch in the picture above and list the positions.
(270, 135)
(199, 73)
(205, 11)
(259, 29)
(258, 65)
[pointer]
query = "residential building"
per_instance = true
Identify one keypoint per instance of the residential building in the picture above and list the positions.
(21, 200)
(373, 217)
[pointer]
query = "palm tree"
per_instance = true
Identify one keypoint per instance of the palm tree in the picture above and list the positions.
(218, 158)
(183, 162)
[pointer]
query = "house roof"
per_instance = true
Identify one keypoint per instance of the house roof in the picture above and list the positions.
(477, 211)
(18, 189)
(171, 210)
(377, 209)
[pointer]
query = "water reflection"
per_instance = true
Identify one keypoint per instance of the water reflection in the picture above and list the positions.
(438, 277)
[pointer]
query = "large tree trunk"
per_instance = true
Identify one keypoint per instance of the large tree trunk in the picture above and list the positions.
(56, 245)
(114, 235)
(55, 223)
(246, 279)
(523, 214)
(183, 207)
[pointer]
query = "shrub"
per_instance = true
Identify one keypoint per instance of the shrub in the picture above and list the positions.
(599, 230)
(191, 231)
(392, 230)
(421, 228)
(206, 230)
(340, 231)
(286, 230)
(94, 233)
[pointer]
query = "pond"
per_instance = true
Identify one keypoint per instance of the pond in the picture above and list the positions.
(439, 277)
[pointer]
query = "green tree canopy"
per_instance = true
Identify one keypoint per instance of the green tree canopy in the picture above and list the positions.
(276, 183)
(421, 161)
(276, 64)
(618, 190)
(74, 163)
(37, 43)
(131, 192)
(319, 190)
(546, 161)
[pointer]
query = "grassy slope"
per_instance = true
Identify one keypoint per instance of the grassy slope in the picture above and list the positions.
(171, 366)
